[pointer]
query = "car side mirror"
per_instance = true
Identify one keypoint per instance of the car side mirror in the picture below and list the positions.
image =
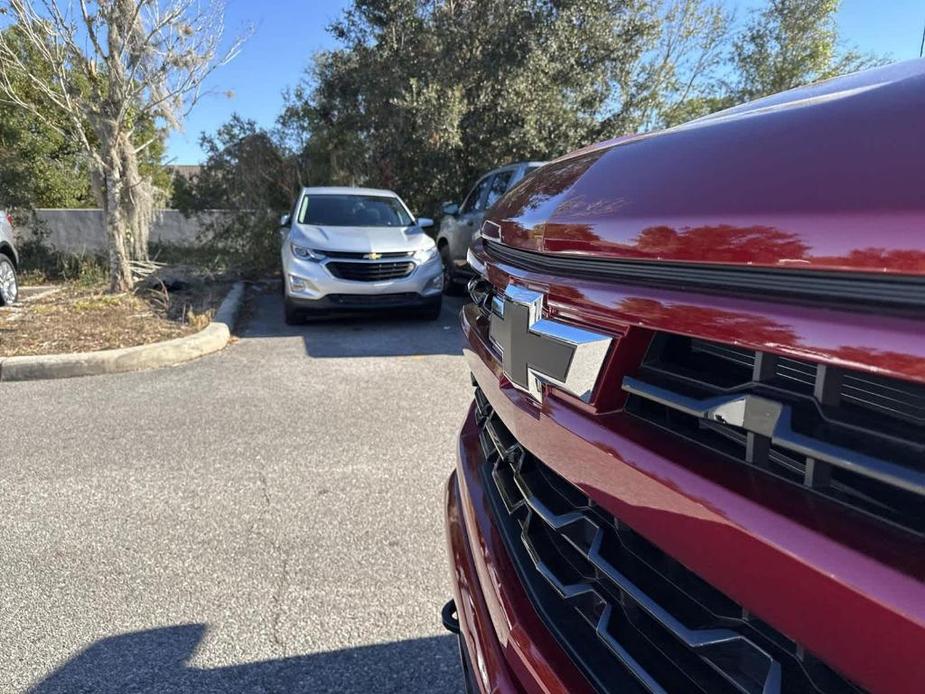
(285, 220)
(425, 222)
(451, 209)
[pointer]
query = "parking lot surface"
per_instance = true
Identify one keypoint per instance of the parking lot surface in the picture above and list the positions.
(266, 519)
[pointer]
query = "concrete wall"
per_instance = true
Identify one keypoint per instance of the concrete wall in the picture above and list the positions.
(84, 231)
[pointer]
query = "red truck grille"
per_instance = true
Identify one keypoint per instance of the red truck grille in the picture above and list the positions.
(853, 438)
(631, 617)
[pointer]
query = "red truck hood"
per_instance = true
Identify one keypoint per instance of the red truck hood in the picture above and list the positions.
(826, 176)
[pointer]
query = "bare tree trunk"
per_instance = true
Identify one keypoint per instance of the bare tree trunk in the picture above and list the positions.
(120, 273)
(138, 200)
(140, 238)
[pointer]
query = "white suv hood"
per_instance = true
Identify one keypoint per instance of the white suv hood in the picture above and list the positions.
(360, 239)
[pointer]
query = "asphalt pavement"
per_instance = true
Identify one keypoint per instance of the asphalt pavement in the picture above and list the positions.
(265, 519)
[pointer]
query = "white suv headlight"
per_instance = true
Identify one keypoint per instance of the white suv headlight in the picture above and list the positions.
(306, 253)
(425, 254)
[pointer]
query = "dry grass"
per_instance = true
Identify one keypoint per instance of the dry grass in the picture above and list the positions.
(87, 319)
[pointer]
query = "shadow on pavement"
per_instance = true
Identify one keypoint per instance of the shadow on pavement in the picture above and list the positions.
(388, 334)
(158, 661)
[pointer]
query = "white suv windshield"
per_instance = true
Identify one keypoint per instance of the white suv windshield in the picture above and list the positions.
(353, 211)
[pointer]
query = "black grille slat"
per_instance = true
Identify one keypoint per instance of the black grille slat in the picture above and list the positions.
(905, 401)
(661, 626)
(370, 271)
(798, 371)
(735, 354)
(867, 427)
(365, 300)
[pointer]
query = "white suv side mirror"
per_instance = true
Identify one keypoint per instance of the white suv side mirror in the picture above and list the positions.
(425, 222)
(284, 220)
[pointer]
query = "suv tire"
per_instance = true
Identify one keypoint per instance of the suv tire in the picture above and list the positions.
(450, 285)
(291, 314)
(9, 287)
(431, 312)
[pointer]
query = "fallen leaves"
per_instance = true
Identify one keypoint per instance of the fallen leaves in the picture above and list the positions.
(80, 319)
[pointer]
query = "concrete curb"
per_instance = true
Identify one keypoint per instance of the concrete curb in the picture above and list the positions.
(210, 339)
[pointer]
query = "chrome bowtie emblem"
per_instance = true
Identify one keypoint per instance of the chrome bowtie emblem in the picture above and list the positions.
(536, 350)
(373, 256)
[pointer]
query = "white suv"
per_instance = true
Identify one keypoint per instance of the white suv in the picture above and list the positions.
(348, 249)
(9, 290)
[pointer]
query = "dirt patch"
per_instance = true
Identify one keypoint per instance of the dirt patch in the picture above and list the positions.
(88, 319)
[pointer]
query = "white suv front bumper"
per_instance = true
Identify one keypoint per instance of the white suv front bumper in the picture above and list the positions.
(306, 281)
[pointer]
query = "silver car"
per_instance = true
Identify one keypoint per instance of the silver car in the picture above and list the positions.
(461, 223)
(9, 261)
(350, 249)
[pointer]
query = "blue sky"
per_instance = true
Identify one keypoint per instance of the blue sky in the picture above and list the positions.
(288, 32)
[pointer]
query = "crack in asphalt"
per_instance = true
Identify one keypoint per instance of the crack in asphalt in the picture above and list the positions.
(277, 603)
(264, 490)
(282, 583)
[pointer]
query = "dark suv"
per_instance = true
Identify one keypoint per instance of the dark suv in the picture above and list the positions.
(461, 223)
(695, 459)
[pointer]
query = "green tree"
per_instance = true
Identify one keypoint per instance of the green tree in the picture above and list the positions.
(787, 44)
(424, 96)
(251, 176)
(40, 165)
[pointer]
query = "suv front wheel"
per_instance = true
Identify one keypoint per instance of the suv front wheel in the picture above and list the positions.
(291, 314)
(450, 285)
(9, 289)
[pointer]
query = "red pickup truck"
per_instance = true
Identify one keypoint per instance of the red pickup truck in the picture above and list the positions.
(695, 459)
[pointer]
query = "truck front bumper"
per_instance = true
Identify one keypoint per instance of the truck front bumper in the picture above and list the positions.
(504, 645)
